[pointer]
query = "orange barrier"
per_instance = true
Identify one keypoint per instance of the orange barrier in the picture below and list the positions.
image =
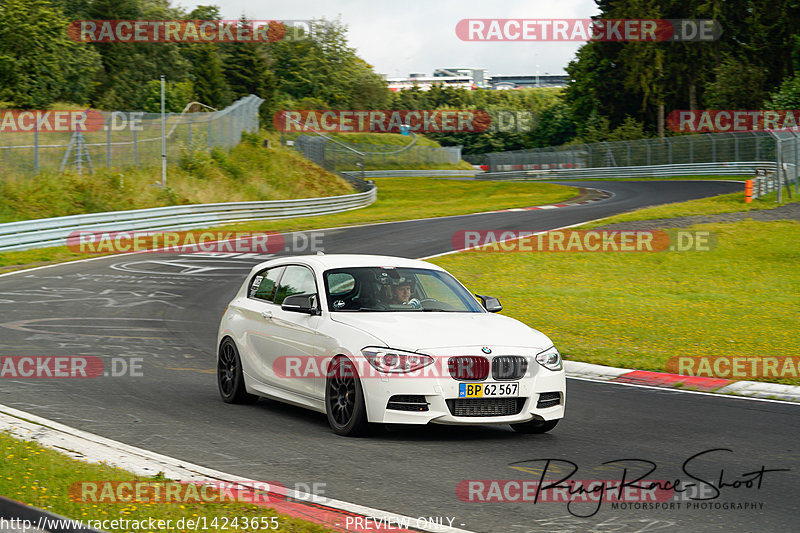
(748, 191)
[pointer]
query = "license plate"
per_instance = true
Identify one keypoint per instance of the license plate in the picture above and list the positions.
(487, 390)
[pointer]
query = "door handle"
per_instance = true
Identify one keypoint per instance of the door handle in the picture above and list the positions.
(266, 314)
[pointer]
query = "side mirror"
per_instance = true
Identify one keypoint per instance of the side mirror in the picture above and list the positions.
(301, 303)
(490, 303)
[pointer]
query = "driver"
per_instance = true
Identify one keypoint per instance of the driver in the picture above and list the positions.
(401, 294)
(402, 291)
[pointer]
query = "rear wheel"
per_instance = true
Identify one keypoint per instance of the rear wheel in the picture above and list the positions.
(535, 426)
(230, 378)
(344, 400)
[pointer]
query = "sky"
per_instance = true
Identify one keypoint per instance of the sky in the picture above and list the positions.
(398, 37)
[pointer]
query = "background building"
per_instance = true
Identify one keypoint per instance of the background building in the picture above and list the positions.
(475, 78)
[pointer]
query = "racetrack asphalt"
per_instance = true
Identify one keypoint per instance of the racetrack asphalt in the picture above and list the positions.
(165, 309)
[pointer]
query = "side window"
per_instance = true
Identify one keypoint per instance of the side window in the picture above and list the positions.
(264, 284)
(296, 280)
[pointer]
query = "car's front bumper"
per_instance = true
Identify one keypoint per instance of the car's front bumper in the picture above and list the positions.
(441, 393)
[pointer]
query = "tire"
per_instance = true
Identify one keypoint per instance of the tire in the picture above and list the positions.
(535, 426)
(230, 378)
(344, 400)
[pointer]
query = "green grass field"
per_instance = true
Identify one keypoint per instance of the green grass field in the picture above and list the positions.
(636, 310)
(724, 203)
(390, 140)
(42, 477)
(425, 197)
(398, 199)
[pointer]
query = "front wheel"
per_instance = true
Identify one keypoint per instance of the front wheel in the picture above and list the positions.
(230, 378)
(535, 426)
(344, 400)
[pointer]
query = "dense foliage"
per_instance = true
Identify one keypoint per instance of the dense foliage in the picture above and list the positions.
(616, 90)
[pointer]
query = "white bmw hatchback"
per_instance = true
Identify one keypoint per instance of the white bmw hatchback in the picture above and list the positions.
(384, 340)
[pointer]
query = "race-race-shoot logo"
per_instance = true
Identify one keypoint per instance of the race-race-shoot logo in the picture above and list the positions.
(707, 480)
(614, 30)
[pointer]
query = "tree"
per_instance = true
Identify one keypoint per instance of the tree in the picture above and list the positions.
(247, 67)
(176, 96)
(367, 89)
(556, 126)
(413, 98)
(127, 67)
(45, 64)
(207, 66)
(788, 97)
(757, 50)
(323, 66)
(630, 130)
(597, 83)
(737, 85)
(596, 129)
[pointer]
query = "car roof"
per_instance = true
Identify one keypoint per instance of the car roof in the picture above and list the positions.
(325, 262)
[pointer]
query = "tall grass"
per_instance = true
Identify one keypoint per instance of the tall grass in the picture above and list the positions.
(249, 172)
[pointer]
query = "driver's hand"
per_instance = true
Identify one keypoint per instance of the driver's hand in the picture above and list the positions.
(414, 303)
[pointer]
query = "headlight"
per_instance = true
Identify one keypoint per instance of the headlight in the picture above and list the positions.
(550, 359)
(390, 360)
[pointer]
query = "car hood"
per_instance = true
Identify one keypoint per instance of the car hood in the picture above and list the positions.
(418, 331)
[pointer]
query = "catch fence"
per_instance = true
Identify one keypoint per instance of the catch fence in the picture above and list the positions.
(121, 139)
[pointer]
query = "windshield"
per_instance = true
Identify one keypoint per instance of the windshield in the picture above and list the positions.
(396, 289)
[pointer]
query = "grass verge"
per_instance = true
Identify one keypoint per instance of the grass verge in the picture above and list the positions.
(637, 310)
(426, 197)
(398, 199)
(390, 140)
(249, 172)
(724, 203)
(381, 152)
(42, 477)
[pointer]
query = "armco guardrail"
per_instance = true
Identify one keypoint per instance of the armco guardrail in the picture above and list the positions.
(403, 173)
(737, 168)
(29, 234)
